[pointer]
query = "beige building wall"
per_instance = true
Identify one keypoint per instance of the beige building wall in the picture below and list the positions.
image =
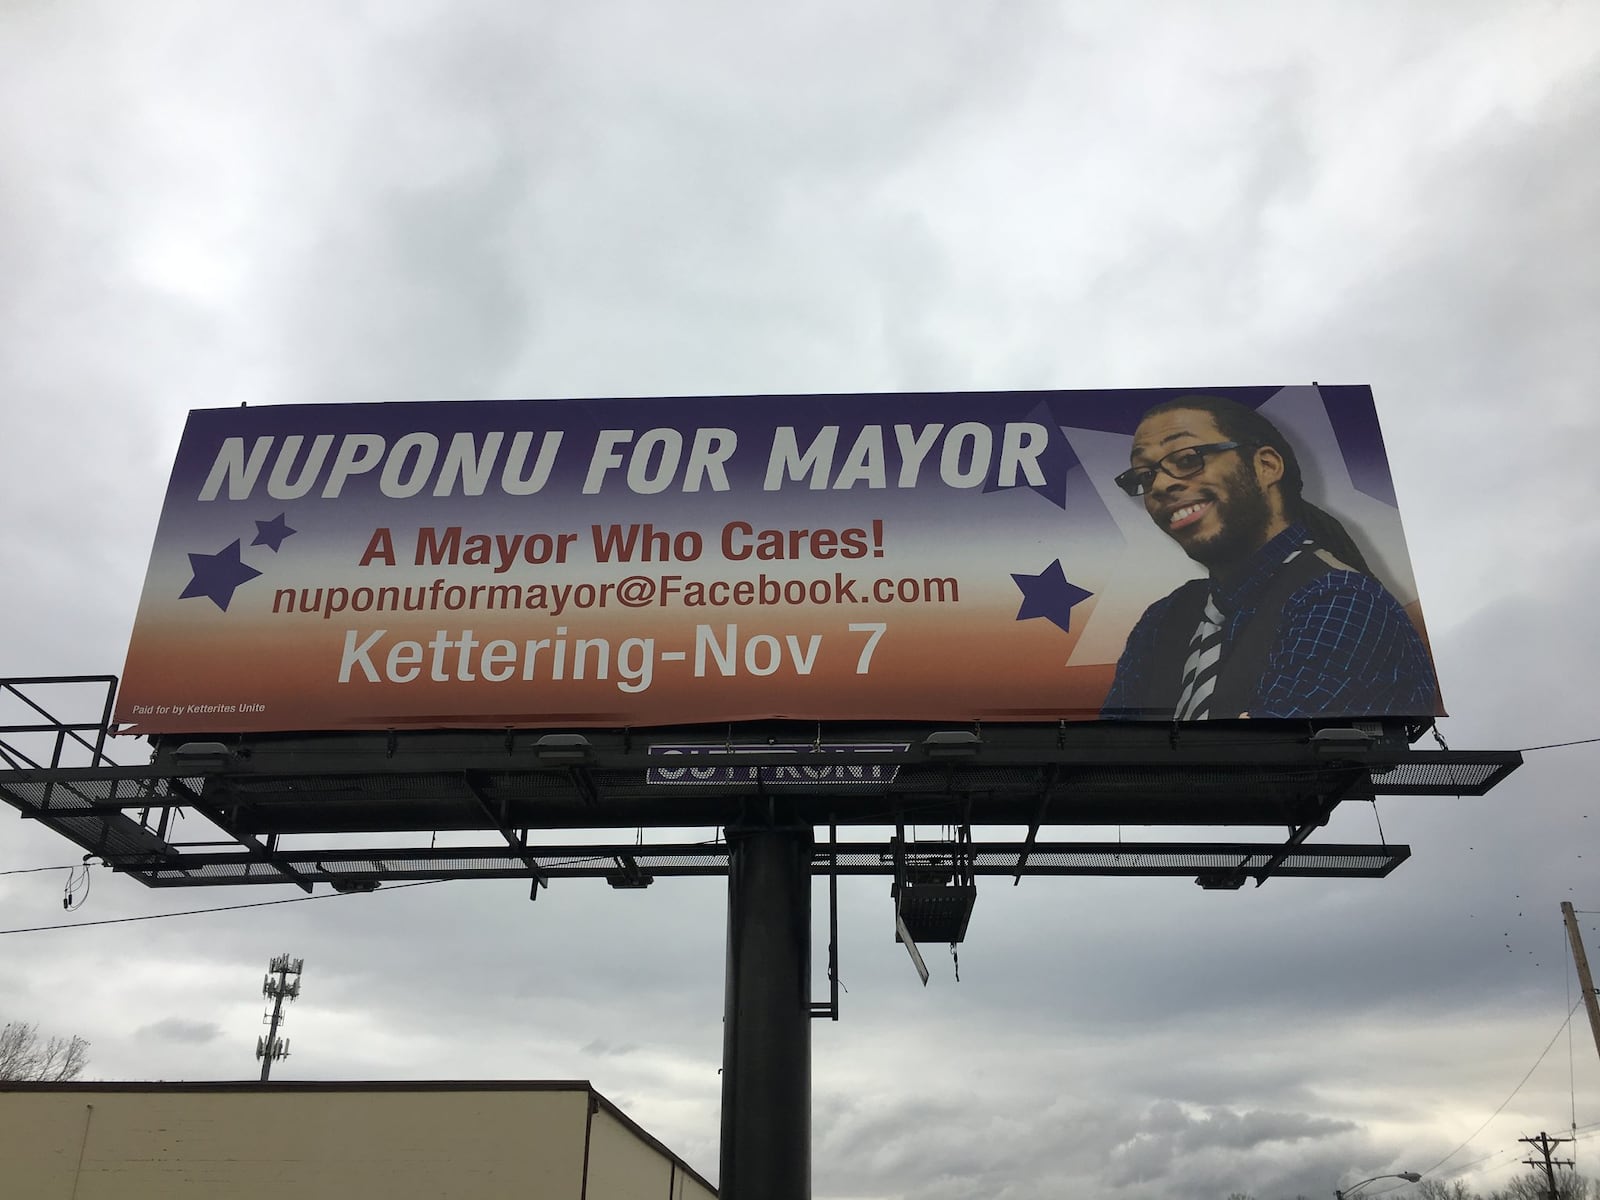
(436, 1141)
(622, 1164)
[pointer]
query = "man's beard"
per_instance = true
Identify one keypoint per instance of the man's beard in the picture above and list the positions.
(1243, 517)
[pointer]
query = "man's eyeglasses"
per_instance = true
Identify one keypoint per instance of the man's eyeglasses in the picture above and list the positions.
(1180, 464)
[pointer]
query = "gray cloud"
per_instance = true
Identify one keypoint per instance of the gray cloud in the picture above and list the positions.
(601, 1048)
(181, 1029)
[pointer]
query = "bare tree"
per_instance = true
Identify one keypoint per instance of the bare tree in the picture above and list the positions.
(23, 1056)
(1534, 1186)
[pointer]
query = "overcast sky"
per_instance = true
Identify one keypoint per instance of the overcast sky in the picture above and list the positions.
(209, 204)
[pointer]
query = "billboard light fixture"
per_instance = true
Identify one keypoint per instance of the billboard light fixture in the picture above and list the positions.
(1346, 738)
(562, 747)
(1340, 741)
(202, 754)
(1221, 881)
(625, 880)
(951, 743)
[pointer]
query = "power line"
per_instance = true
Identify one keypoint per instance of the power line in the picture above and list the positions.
(1553, 1038)
(36, 870)
(1559, 745)
(1457, 1172)
(195, 912)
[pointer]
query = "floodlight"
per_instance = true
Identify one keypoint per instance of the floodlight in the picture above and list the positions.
(951, 743)
(625, 879)
(1340, 741)
(562, 747)
(202, 755)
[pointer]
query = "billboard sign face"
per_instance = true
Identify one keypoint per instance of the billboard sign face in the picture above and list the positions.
(952, 557)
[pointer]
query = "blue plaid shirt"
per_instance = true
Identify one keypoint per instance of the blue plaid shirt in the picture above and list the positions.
(1344, 647)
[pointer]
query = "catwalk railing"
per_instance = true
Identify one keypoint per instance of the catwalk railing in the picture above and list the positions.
(277, 808)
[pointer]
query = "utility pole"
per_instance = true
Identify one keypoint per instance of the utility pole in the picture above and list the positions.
(277, 990)
(1585, 980)
(1545, 1143)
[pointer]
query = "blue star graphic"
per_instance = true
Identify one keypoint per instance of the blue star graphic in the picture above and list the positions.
(271, 533)
(1049, 595)
(217, 575)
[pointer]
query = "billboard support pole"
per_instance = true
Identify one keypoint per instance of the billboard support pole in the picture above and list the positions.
(766, 1041)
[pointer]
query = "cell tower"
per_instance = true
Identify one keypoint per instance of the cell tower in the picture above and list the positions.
(277, 988)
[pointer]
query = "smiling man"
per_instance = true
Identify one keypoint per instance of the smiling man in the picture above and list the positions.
(1290, 621)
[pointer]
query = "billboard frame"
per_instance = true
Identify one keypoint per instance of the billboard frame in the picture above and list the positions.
(522, 786)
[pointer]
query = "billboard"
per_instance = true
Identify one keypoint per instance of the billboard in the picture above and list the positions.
(952, 557)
